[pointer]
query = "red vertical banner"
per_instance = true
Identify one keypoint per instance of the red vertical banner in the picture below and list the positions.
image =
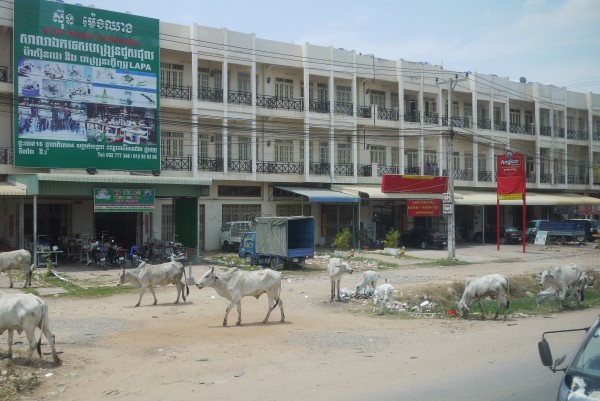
(511, 184)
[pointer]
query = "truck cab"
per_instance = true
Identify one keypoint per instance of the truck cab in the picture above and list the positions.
(581, 376)
(232, 232)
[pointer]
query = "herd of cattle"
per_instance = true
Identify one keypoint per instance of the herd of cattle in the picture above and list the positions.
(25, 312)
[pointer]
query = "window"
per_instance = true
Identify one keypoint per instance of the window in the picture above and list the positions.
(294, 210)
(482, 162)
(343, 94)
(322, 92)
(284, 88)
(244, 148)
(217, 79)
(239, 212)
(203, 146)
(482, 113)
(469, 161)
(497, 114)
(430, 157)
(344, 155)
(310, 90)
(395, 156)
(411, 158)
(378, 155)
(378, 98)
(310, 150)
(171, 143)
(455, 108)
(171, 74)
(166, 226)
(468, 110)
(430, 105)
(395, 101)
(284, 151)
(239, 191)
(456, 161)
(323, 152)
(243, 82)
(218, 146)
(203, 77)
(515, 117)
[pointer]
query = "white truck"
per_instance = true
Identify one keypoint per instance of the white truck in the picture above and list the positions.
(232, 232)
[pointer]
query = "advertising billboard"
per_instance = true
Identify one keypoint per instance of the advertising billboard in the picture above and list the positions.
(123, 200)
(87, 87)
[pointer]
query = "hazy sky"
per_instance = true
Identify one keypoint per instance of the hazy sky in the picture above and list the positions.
(547, 41)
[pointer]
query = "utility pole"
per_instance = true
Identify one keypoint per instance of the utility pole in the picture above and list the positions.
(451, 82)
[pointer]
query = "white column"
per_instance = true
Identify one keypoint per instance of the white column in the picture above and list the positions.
(306, 95)
(195, 133)
(253, 153)
(225, 86)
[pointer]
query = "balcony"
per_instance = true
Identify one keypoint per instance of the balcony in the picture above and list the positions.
(273, 102)
(343, 108)
(545, 178)
(343, 169)
(412, 117)
(431, 118)
(580, 179)
(319, 168)
(363, 111)
(319, 106)
(500, 125)
(559, 132)
(207, 164)
(364, 170)
(485, 176)
(381, 170)
(5, 74)
(545, 130)
(178, 163)
(458, 122)
(527, 129)
(388, 114)
(176, 92)
(279, 168)
(577, 135)
(210, 94)
(239, 166)
(239, 97)
(412, 171)
(484, 123)
(596, 136)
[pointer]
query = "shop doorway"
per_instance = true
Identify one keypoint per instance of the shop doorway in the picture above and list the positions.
(121, 226)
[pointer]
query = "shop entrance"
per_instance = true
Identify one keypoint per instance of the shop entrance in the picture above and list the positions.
(121, 226)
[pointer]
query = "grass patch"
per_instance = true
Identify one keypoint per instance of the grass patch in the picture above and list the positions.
(16, 381)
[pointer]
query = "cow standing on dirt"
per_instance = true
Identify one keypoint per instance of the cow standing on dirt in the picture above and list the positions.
(147, 276)
(336, 269)
(236, 284)
(19, 259)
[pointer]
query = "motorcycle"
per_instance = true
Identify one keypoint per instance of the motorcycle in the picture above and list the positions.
(99, 255)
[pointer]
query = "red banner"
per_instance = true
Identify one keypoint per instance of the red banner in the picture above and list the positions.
(423, 207)
(392, 183)
(511, 174)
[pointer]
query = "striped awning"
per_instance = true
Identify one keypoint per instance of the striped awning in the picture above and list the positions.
(8, 189)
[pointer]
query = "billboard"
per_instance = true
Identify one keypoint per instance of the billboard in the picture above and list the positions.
(123, 200)
(87, 87)
(423, 207)
(392, 183)
(511, 176)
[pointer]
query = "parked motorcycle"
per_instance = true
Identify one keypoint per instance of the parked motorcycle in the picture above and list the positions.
(99, 254)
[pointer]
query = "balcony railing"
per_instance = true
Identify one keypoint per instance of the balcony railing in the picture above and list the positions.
(431, 118)
(319, 168)
(596, 136)
(364, 170)
(485, 176)
(206, 164)
(464, 175)
(559, 132)
(545, 130)
(344, 169)
(239, 97)
(546, 178)
(5, 75)
(381, 170)
(388, 114)
(240, 166)
(412, 117)
(412, 171)
(343, 108)
(210, 94)
(581, 179)
(272, 102)
(458, 122)
(521, 129)
(279, 168)
(577, 135)
(500, 125)
(363, 111)
(176, 92)
(319, 106)
(429, 170)
(484, 123)
(179, 163)
(7, 156)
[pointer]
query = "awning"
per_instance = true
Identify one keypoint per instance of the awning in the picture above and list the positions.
(474, 198)
(50, 184)
(8, 189)
(320, 195)
(374, 192)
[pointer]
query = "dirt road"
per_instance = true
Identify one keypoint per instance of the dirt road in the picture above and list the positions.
(324, 351)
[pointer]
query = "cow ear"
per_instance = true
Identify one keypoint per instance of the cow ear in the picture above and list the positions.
(212, 269)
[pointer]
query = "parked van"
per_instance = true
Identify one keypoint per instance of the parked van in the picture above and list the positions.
(232, 232)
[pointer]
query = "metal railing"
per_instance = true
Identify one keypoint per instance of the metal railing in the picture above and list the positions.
(344, 169)
(279, 168)
(596, 136)
(363, 111)
(5, 74)
(180, 163)
(239, 97)
(388, 114)
(412, 171)
(485, 176)
(500, 125)
(519, 129)
(7, 156)
(412, 117)
(240, 166)
(546, 178)
(458, 122)
(381, 170)
(318, 168)
(343, 108)
(206, 164)
(318, 106)
(545, 130)
(431, 118)
(364, 170)
(273, 102)
(210, 94)
(559, 132)
(176, 92)
(483, 123)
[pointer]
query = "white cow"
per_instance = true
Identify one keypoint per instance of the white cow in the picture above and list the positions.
(576, 291)
(494, 286)
(383, 295)
(335, 269)
(19, 259)
(25, 312)
(147, 276)
(236, 284)
(369, 279)
(564, 280)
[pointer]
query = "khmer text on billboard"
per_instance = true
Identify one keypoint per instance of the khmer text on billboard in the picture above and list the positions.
(86, 82)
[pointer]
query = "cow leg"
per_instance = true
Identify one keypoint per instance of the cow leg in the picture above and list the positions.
(332, 291)
(481, 309)
(178, 287)
(10, 343)
(233, 302)
(271, 306)
(154, 295)
(30, 334)
(337, 290)
(10, 277)
(52, 341)
(141, 295)
(280, 303)
(238, 305)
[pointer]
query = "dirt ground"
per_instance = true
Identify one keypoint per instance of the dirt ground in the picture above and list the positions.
(324, 350)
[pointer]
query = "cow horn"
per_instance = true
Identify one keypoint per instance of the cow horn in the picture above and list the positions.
(212, 269)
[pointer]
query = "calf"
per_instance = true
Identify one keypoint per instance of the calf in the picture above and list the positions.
(494, 286)
(369, 279)
(25, 312)
(335, 269)
(564, 280)
(19, 259)
(147, 276)
(383, 295)
(236, 284)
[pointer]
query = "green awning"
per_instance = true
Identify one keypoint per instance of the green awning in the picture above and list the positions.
(49, 184)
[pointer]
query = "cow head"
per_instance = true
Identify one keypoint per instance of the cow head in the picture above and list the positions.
(346, 267)
(208, 280)
(546, 277)
(123, 277)
(463, 309)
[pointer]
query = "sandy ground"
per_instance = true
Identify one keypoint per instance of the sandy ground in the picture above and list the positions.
(324, 350)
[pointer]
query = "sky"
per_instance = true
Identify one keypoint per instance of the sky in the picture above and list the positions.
(546, 41)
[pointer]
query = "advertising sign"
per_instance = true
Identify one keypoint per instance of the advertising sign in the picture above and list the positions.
(123, 200)
(392, 183)
(511, 175)
(87, 86)
(423, 207)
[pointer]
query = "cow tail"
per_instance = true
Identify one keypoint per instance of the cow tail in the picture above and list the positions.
(277, 301)
(186, 284)
(507, 294)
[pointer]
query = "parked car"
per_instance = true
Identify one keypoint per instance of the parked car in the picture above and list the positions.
(423, 238)
(508, 235)
(232, 232)
(591, 226)
(531, 229)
